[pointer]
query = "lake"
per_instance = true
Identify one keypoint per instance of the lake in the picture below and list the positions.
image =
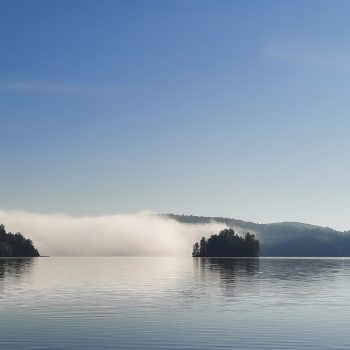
(174, 303)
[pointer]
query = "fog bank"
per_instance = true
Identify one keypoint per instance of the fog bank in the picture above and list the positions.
(141, 234)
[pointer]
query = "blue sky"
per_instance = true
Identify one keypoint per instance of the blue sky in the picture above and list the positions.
(221, 108)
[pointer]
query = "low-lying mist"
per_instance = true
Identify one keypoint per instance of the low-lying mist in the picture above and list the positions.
(142, 234)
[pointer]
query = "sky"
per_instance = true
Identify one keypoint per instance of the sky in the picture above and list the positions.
(216, 108)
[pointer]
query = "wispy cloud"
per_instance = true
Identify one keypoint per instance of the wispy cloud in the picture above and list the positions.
(21, 86)
(140, 234)
(310, 54)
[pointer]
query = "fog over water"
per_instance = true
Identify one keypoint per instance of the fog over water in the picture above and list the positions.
(140, 234)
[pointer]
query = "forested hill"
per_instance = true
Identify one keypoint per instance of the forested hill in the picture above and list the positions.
(15, 245)
(284, 238)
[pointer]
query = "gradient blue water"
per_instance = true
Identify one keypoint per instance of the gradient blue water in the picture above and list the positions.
(174, 303)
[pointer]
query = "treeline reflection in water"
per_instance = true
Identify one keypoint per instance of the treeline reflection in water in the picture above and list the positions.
(174, 303)
(15, 268)
(229, 274)
(227, 270)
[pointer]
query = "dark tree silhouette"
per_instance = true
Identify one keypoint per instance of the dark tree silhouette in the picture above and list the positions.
(196, 251)
(227, 244)
(15, 245)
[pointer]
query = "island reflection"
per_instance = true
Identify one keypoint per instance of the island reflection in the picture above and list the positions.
(234, 276)
(225, 273)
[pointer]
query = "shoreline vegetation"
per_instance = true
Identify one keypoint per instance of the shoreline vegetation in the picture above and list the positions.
(227, 244)
(286, 239)
(14, 245)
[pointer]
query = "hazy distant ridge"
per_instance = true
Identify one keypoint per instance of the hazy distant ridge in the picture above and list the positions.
(284, 238)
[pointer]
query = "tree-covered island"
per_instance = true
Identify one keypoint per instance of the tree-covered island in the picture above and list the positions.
(15, 245)
(227, 244)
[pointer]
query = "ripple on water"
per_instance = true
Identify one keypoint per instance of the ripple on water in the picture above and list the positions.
(174, 303)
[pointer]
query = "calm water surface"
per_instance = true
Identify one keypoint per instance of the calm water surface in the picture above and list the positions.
(174, 303)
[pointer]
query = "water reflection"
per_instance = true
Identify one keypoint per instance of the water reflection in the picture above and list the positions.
(14, 268)
(304, 270)
(225, 272)
(229, 268)
(174, 303)
(247, 274)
